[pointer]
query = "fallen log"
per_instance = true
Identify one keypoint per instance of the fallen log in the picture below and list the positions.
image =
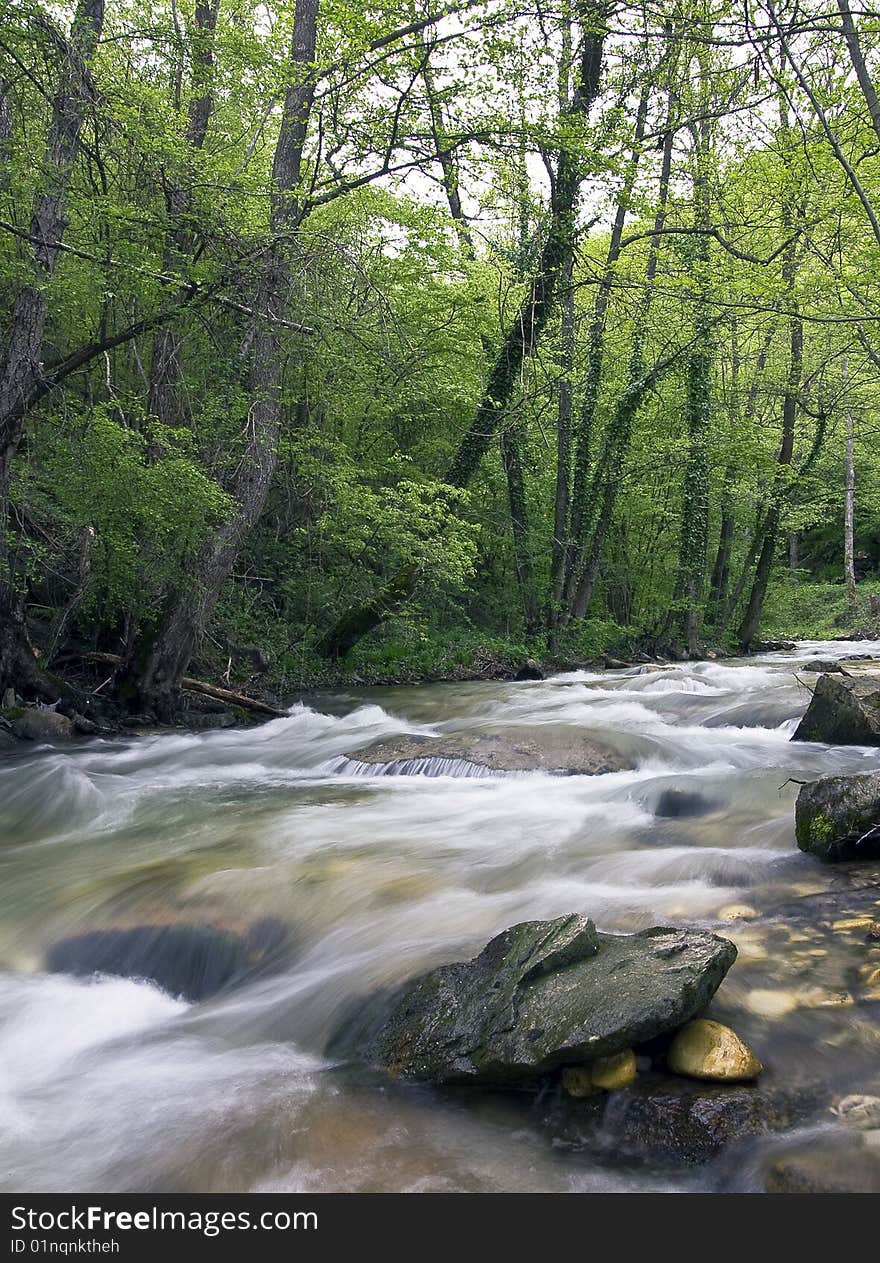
(199, 686)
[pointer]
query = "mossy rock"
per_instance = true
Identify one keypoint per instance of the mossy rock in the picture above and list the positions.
(838, 818)
(540, 996)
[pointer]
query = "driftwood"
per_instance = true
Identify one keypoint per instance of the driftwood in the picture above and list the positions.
(198, 686)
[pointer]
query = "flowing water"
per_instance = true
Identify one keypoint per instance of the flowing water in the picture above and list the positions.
(113, 1084)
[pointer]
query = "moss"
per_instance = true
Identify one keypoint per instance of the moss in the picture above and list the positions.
(11, 713)
(821, 829)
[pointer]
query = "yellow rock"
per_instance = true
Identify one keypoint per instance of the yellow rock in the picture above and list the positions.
(737, 912)
(578, 1081)
(605, 1074)
(872, 976)
(771, 1003)
(613, 1073)
(707, 1050)
(854, 923)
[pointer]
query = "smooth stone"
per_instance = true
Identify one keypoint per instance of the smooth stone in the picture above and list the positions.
(614, 1073)
(708, 1050)
(606, 1074)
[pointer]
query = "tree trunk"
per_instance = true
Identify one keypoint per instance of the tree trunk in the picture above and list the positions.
(581, 501)
(752, 618)
(564, 412)
(21, 363)
(695, 499)
(165, 659)
(163, 396)
(585, 553)
(511, 457)
(849, 564)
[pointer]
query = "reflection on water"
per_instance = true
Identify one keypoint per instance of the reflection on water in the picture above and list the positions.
(113, 1084)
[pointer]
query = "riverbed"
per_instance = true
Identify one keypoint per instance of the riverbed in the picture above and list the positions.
(111, 1084)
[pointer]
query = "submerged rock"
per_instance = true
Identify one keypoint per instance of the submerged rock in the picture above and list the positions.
(36, 724)
(859, 1111)
(833, 1163)
(561, 750)
(838, 818)
(682, 804)
(540, 996)
(193, 961)
(675, 1120)
(843, 710)
(707, 1050)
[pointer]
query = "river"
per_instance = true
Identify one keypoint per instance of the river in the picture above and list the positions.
(108, 1084)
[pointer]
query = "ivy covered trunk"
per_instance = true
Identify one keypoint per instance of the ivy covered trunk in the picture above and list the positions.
(163, 659)
(594, 501)
(770, 533)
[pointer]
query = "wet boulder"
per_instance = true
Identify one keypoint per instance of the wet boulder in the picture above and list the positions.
(561, 750)
(838, 818)
(843, 710)
(193, 961)
(36, 724)
(540, 996)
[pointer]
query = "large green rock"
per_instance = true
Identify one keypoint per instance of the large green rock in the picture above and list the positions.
(543, 994)
(843, 711)
(838, 817)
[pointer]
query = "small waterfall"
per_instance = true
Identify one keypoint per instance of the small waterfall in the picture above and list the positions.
(412, 767)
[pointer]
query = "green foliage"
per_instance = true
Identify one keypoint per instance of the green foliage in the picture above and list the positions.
(800, 608)
(149, 516)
